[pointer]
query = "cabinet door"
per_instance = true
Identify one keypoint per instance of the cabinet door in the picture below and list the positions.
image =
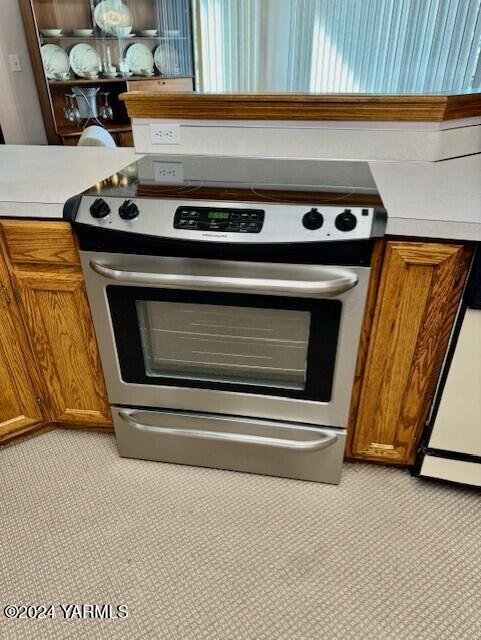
(419, 293)
(19, 400)
(61, 334)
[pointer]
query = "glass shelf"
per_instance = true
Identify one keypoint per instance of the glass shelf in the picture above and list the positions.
(74, 81)
(114, 38)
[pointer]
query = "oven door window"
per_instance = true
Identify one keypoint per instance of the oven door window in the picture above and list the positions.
(257, 344)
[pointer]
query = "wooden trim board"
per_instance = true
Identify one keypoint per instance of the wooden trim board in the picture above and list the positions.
(434, 107)
(31, 34)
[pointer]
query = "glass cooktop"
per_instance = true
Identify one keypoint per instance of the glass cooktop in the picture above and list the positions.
(260, 178)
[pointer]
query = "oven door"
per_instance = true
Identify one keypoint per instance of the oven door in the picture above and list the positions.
(265, 340)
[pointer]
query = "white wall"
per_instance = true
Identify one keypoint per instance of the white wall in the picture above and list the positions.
(20, 116)
(319, 139)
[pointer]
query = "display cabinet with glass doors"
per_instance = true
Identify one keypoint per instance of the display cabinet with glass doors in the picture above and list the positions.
(85, 53)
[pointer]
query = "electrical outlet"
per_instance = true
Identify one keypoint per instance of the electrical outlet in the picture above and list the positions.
(171, 172)
(165, 133)
(14, 60)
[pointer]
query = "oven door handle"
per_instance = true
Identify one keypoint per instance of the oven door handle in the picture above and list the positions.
(306, 288)
(320, 441)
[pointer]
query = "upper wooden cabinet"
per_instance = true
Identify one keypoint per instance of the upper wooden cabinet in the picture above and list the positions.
(409, 325)
(20, 402)
(48, 283)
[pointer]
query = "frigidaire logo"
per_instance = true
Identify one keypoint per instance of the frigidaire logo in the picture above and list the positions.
(215, 235)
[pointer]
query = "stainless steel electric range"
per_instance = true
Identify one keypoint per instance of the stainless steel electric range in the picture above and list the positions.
(227, 296)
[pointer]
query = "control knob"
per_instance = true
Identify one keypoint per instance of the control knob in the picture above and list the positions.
(128, 210)
(346, 221)
(313, 219)
(99, 208)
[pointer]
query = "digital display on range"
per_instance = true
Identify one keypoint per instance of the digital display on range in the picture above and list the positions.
(218, 215)
(222, 220)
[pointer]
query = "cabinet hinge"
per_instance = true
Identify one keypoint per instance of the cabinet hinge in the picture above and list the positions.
(5, 294)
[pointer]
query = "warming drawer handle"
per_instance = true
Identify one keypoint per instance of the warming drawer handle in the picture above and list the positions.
(318, 442)
(333, 287)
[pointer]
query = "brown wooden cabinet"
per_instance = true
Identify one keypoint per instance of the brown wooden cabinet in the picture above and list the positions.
(20, 402)
(48, 295)
(61, 334)
(413, 305)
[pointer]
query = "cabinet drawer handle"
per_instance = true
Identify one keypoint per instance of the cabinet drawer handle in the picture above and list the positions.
(318, 442)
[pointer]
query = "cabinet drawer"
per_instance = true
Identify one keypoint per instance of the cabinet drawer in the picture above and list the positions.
(160, 84)
(267, 447)
(39, 241)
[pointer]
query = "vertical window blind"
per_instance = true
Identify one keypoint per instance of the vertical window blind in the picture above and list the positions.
(353, 46)
(228, 44)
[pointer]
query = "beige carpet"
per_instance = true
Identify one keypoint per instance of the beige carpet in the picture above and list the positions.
(204, 554)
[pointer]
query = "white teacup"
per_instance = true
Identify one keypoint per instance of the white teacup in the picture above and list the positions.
(62, 76)
(146, 72)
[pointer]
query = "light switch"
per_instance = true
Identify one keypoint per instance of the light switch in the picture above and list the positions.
(14, 60)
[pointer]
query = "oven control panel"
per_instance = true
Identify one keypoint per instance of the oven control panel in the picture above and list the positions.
(219, 219)
(237, 222)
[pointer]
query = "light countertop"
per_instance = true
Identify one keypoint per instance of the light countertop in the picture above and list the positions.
(423, 199)
(35, 181)
(432, 199)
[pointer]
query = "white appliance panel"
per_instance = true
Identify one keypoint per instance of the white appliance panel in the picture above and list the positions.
(458, 422)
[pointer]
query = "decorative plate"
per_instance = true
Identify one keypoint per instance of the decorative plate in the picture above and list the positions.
(113, 17)
(139, 58)
(84, 60)
(166, 60)
(55, 60)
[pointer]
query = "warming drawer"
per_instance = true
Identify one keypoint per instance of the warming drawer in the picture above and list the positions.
(239, 444)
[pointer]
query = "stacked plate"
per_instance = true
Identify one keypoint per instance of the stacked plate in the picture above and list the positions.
(51, 33)
(83, 33)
